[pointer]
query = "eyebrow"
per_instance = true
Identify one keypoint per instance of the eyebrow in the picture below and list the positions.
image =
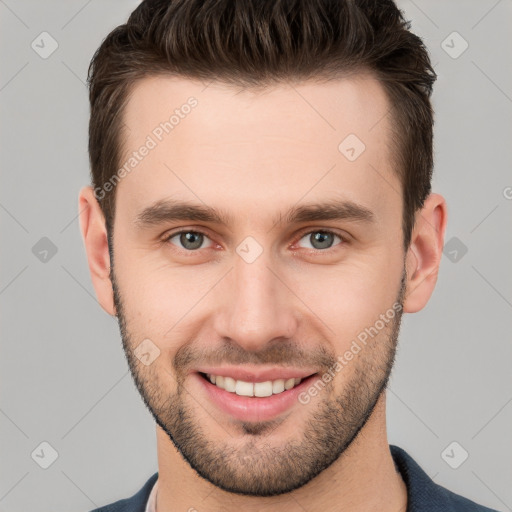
(169, 210)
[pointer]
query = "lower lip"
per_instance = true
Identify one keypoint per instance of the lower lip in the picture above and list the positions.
(252, 408)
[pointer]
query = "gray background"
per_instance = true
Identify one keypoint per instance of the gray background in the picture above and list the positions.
(64, 379)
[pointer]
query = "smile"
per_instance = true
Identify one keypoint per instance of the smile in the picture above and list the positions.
(257, 389)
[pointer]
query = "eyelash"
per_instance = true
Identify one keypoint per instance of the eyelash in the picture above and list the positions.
(343, 239)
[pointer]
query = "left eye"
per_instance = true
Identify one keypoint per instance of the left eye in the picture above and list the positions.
(321, 239)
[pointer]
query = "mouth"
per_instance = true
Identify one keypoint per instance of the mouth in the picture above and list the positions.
(253, 401)
(255, 389)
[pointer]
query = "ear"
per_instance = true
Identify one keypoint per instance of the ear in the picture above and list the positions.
(424, 254)
(94, 234)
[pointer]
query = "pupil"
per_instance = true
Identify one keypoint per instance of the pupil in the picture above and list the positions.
(191, 240)
(321, 238)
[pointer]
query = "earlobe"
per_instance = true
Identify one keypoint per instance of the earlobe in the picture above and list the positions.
(94, 234)
(425, 252)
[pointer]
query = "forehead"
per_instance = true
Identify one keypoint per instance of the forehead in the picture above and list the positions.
(257, 148)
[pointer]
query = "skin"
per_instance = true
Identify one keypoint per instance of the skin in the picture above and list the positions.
(254, 155)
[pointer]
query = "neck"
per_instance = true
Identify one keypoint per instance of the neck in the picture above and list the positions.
(363, 479)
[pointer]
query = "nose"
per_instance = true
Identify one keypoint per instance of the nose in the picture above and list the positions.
(256, 305)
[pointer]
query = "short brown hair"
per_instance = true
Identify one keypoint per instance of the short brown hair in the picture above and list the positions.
(257, 43)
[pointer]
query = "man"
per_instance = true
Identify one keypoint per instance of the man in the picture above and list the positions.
(260, 217)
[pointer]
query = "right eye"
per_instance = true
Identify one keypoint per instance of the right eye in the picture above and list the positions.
(190, 240)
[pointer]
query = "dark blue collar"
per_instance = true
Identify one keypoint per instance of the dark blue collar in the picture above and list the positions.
(423, 494)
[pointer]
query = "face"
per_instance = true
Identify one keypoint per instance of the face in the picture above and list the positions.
(251, 250)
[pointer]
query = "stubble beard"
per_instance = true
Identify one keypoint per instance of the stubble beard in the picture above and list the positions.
(255, 467)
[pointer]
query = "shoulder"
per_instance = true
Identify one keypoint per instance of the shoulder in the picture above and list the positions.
(460, 503)
(424, 494)
(136, 503)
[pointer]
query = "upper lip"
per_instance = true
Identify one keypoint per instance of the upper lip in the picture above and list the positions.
(254, 374)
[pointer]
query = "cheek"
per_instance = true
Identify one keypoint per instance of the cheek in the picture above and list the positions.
(351, 297)
(158, 298)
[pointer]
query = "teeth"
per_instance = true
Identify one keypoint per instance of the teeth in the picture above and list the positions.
(244, 388)
(288, 384)
(278, 386)
(263, 388)
(229, 384)
(259, 389)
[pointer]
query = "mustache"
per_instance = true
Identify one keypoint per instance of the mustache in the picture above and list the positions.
(282, 353)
